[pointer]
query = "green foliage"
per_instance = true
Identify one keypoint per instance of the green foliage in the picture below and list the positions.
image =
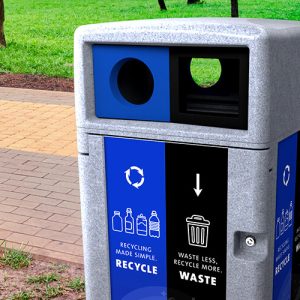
(76, 284)
(205, 72)
(21, 296)
(40, 33)
(15, 258)
(53, 291)
(44, 278)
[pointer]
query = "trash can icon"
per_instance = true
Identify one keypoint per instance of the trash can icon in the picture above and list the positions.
(198, 230)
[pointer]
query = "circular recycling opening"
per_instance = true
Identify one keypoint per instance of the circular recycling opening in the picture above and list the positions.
(135, 81)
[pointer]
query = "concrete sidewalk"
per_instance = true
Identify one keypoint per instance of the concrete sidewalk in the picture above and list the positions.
(39, 192)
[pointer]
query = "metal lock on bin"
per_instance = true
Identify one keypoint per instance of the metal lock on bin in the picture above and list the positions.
(189, 192)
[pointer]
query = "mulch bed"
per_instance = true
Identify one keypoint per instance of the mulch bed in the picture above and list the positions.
(13, 282)
(38, 82)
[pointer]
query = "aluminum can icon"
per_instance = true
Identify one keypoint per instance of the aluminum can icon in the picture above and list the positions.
(198, 231)
(141, 225)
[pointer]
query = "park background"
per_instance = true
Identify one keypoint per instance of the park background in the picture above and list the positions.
(39, 192)
(39, 33)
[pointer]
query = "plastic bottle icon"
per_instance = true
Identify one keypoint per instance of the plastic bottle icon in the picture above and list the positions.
(154, 225)
(141, 225)
(129, 222)
(291, 215)
(278, 228)
(117, 221)
(286, 220)
(282, 223)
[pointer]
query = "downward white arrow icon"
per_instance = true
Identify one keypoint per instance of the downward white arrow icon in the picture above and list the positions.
(197, 189)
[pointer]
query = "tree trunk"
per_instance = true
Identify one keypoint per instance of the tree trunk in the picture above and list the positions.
(234, 8)
(2, 36)
(162, 4)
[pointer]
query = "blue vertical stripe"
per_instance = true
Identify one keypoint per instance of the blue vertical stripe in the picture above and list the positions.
(284, 222)
(135, 174)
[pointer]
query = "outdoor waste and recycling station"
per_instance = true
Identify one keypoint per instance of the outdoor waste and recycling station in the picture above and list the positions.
(189, 192)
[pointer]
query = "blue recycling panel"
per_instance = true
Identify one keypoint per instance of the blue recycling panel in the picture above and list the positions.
(109, 103)
(137, 218)
(284, 222)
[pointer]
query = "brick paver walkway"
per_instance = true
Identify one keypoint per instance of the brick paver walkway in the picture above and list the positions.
(39, 192)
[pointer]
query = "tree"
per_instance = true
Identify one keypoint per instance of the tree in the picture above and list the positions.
(234, 8)
(161, 3)
(2, 36)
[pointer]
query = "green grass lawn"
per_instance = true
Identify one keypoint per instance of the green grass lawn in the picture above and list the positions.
(40, 32)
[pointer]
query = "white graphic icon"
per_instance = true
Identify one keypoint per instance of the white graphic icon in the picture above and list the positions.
(198, 231)
(117, 221)
(129, 222)
(286, 175)
(286, 225)
(154, 225)
(291, 215)
(198, 190)
(282, 223)
(141, 225)
(140, 171)
(278, 229)
(285, 221)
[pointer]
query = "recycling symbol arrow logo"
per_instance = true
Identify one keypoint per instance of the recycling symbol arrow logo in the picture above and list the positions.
(140, 171)
(286, 175)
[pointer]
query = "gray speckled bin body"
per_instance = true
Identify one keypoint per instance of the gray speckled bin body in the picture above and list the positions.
(274, 114)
